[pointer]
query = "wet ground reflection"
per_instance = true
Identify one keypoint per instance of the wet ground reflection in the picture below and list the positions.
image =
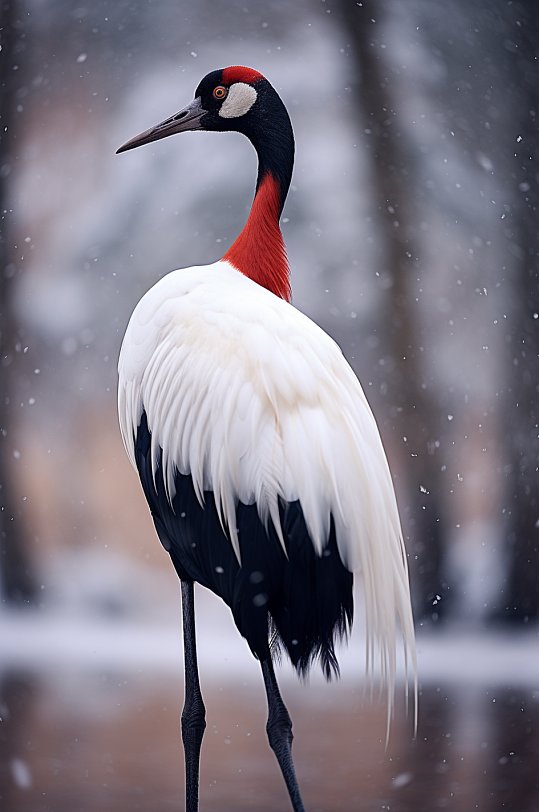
(110, 741)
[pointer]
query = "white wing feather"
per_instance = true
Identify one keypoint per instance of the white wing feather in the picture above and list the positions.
(257, 403)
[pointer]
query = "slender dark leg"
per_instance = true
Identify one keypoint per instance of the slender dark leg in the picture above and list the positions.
(193, 714)
(279, 729)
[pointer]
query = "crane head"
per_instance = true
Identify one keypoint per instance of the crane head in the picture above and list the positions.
(234, 98)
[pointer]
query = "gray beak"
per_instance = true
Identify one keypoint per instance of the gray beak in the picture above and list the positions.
(187, 119)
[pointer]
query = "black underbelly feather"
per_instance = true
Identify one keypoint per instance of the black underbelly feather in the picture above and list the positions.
(303, 602)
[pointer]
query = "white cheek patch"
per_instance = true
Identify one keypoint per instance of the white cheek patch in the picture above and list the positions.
(239, 101)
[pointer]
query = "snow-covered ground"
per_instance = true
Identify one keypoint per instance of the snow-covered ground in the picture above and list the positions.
(46, 640)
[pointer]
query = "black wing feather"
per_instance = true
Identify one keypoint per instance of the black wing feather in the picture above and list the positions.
(302, 602)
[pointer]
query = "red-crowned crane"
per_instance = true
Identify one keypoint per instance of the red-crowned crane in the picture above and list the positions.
(257, 451)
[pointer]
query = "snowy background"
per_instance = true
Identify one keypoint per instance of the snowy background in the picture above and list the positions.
(412, 237)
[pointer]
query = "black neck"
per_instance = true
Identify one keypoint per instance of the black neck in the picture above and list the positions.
(273, 142)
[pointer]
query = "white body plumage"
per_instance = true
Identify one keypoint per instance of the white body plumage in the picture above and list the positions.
(258, 404)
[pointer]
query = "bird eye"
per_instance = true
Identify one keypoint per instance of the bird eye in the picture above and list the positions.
(219, 92)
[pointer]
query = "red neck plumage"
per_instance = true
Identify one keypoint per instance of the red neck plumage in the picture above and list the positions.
(259, 252)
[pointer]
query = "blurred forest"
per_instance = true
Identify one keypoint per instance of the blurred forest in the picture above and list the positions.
(412, 234)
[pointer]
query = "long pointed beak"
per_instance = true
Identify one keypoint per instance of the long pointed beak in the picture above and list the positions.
(187, 119)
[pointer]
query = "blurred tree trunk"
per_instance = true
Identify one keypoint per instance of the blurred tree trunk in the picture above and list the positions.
(522, 416)
(17, 583)
(411, 410)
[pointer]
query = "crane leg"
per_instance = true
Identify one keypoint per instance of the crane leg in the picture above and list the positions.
(279, 729)
(193, 714)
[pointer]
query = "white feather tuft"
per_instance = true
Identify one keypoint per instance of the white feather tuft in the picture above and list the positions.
(239, 100)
